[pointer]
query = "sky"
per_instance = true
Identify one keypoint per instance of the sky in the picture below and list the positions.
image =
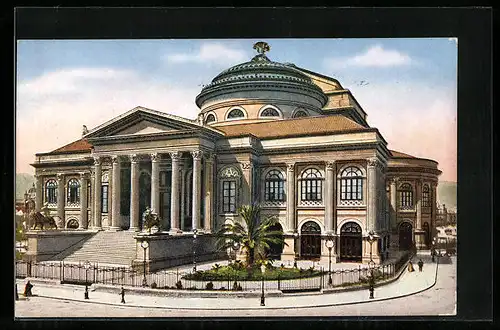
(408, 87)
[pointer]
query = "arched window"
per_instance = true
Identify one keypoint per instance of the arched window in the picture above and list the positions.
(269, 112)
(104, 192)
(229, 185)
(235, 113)
(351, 184)
(406, 195)
(73, 192)
(210, 118)
(311, 185)
(51, 192)
(274, 186)
(426, 200)
(300, 113)
(73, 224)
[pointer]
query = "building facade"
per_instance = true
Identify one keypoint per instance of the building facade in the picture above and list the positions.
(292, 140)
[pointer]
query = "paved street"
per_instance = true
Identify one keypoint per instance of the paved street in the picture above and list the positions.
(439, 300)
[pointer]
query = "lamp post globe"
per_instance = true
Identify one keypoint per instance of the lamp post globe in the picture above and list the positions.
(262, 297)
(144, 245)
(329, 244)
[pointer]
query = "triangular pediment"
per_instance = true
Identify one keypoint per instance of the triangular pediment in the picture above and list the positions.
(142, 121)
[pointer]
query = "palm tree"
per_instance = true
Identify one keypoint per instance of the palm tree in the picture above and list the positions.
(253, 235)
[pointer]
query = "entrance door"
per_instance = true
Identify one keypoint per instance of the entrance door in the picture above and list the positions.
(144, 195)
(351, 242)
(427, 236)
(275, 250)
(405, 236)
(310, 241)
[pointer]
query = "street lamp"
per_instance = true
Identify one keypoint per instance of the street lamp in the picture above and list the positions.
(296, 254)
(194, 249)
(433, 250)
(86, 265)
(262, 298)
(144, 245)
(371, 239)
(329, 245)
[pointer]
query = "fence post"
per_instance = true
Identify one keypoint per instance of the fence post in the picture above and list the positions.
(177, 275)
(279, 283)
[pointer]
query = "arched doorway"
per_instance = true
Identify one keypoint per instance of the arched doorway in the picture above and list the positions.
(72, 224)
(427, 236)
(275, 250)
(144, 194)
(405, 236)
(351, 240)
(310, 241)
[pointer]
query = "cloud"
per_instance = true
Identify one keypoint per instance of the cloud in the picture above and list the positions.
(415, 119)
(210, 53)
(52, 108)
(375, 56)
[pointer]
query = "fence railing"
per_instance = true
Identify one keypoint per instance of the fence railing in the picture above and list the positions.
(177, 279)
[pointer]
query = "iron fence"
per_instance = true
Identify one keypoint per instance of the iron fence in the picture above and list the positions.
(177, 279)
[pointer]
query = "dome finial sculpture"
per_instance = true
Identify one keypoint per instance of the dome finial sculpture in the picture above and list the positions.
(261, 47)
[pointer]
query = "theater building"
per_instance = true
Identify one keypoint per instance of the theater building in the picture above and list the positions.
(292, 140)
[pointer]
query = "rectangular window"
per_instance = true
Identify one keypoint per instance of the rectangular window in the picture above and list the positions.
(229, 196)
(104, 199)
(311, 190)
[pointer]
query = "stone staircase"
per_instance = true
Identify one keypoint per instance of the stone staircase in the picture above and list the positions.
(105, 247)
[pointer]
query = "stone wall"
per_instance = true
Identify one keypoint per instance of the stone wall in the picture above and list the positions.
(45, 245)
(166, 251)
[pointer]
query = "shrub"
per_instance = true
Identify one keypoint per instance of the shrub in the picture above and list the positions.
(178, 285)
(239, 288)
(153, 285)
(235, 286)
(209, 286)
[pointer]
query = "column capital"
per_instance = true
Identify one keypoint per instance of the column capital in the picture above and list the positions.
(154, 157)
(92, 173)
(246, 166)
(134, 158)
(83, 175)
(97, 160)
(175, 155)
(197, 154)
(330, 165)
(372, 162)
(115, 159)
(60, 176)
(209, 156)
(290, 167)
(394, 180)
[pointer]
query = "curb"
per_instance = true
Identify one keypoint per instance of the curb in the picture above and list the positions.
(257, 308)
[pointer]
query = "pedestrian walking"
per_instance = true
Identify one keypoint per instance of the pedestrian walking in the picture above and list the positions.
(420, 265)
(17, 295)
(410, 267)
(86, 292)
(122, 293)
(27, 289)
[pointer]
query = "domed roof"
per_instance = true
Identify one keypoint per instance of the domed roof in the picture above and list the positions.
(260, 72)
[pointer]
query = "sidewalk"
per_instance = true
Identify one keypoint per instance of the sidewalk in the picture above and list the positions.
(407, 284)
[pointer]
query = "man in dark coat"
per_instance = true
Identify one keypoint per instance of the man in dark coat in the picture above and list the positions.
(420, 265)
(122, 293)
(27, 289)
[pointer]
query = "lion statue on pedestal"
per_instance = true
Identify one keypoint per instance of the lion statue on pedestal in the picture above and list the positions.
(39, 220)
(149, 220)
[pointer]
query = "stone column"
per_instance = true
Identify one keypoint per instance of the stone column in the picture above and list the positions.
(418, 193)
(155, 183)
(433, 208)
(290, 197)
(329, 195)
(115, 194)
(97, 192)
(134, 193)
(39, 192)
(394, 203)
(182, 173)
(174, 202)
(61, 197)
(247, 185)
(209, 200)
(83, 202)
(196, 188)
(371, 209)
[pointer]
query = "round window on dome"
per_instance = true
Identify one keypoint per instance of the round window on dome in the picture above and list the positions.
(235, 113)
(210, 118)
(269, 112)
(300, 113)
